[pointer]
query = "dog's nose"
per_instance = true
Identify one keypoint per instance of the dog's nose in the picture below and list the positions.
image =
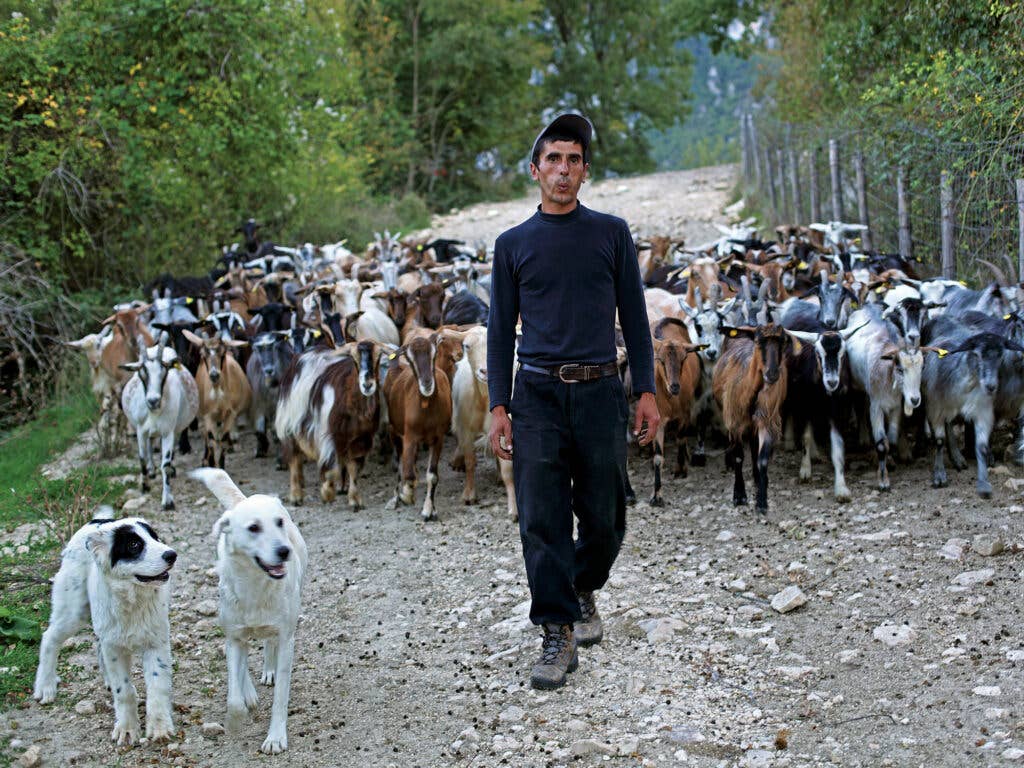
(282, 553)
(170, 556)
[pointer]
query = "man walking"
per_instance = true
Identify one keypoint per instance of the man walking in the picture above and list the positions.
(564, 272)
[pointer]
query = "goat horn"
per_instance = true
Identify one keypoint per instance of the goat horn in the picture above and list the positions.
(996, 271)
(1010, 268)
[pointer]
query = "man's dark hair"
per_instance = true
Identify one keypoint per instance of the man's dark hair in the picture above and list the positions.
(553, 137)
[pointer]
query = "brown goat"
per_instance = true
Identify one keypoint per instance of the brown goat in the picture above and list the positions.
(224, 393)
(419, 401)
(336, 388)
(705, 275)
(749, 384)
(423, 308)
(677, 376)
(653, 252)
(772, 273)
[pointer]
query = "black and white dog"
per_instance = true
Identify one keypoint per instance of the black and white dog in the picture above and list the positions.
(117, 571)
(261, 558)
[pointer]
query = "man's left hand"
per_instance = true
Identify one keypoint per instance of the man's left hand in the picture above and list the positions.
(645, 425)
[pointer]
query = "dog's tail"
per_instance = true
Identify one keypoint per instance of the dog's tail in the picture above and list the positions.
(221, 484)
(103, 515)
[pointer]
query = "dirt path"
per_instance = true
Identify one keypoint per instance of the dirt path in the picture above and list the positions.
(413, 648)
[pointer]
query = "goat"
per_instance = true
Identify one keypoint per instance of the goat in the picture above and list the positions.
(653, 252)
(962, 378)
(817, 396)
(271, 355)
(749, 385)
(704, 328)
(160, 399)
(888, 371)
(328, 413)
(418, 395)
(677, 376)
(224, 393)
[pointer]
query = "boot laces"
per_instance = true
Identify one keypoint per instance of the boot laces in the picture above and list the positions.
(587, 605)
(553, 644)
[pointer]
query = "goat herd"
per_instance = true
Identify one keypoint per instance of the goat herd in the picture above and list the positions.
(332, 351)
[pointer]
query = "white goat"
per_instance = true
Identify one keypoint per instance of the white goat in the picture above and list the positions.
(161, 399)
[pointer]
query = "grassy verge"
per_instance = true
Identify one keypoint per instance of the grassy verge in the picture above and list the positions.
(60, 507)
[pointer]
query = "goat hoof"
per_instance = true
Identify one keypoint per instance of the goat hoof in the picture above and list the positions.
(630, 499)
(470, 502)
(169, 506)
(680, 473)
(741, 502)
(656, 502)
(171, 471)
(985, 490)
(698, 460)
(280, 466)
(762, 510)
(937, 482)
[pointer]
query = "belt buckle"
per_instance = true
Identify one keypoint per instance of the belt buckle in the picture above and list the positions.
(567, 370)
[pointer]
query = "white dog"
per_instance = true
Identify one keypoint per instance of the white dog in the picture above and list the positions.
(118, 570)
(261, 558)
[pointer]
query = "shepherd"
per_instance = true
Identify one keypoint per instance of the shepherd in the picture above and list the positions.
(563, 273)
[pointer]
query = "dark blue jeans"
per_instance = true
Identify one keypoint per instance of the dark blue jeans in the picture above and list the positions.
(569, 458)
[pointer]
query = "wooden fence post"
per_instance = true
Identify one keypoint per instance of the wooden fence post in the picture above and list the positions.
(946, 202)
(780, 162)
(770, 177)
(744, 151)
(837, 180)
(755, 151)
(812, 158)
(862, 199)
(903, 213)
(1020, 229)
(794, 183)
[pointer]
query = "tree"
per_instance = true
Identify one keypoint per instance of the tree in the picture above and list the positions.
(622, 65)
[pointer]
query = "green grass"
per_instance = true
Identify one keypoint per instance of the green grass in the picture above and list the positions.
(62, 505)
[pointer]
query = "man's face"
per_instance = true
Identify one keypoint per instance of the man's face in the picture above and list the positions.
(560, 173)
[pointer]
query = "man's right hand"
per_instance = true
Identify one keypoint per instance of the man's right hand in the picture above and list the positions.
(501, 433)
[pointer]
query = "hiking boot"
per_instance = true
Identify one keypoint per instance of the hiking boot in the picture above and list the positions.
(589, 630)
(557, 657)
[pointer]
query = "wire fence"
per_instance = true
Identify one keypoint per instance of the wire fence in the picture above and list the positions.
(944, 205)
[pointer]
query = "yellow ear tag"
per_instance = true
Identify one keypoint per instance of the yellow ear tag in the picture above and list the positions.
(419, 247)
(1007, 317)
(963, 283)
(943, 352)
(733, 333)
(316, 334)
(190, 300)
(880, 289)
(685, 272)
(802, 265)
(177, 364)
(392, 356)
(854, 304)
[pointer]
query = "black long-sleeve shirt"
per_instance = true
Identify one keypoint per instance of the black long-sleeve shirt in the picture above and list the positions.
(565, 275)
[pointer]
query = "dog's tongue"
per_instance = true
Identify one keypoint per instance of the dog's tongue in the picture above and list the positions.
(275, 570)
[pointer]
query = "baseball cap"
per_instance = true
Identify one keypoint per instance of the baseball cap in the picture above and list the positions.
(568, 124)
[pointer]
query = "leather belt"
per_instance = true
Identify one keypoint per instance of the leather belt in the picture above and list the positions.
(571, 373)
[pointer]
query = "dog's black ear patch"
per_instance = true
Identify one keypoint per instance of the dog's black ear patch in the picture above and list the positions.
(127, 545)
(149, 529)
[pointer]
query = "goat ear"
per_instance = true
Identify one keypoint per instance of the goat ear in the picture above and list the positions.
(238, 343)
(79, 344)
(130, 366)
(805, 336)
(221, 484)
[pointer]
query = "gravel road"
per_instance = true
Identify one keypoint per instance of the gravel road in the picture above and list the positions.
(414, 650)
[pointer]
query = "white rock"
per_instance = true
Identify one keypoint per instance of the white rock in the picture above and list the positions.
(85, 707)
(681, 756)
(576, 726)
(659, 630)
(795, 673)
(628, 746)
(848, 656)
(212, 729)
(512, 715)
(724, 536)
(470, 734)
(987, 545)
(31, 757)
(954, 549)
(789, 599)
(591, 747)
(133, 504)
(1017, 655)
(996, 713)
(739, 585)
(1013, 753)
(206, 608)
(894, 634)
(987, 690)
(971, 578)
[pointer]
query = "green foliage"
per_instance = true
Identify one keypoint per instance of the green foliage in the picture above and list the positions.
(619, 64)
